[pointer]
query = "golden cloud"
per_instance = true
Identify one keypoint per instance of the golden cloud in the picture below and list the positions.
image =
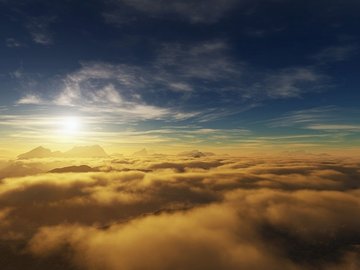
(184, 213)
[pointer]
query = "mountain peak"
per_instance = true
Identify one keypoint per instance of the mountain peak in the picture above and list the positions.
(76, 151)
(87, 151)
(38, 152)
(195, 154)
(142, 152)
(74, 169)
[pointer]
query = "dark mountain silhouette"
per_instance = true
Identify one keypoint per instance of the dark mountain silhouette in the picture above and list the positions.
(77, 169)
(76, 152)
(195, 154)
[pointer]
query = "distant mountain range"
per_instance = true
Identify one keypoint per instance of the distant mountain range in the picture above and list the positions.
(75, 152)
(196, 154)
(95, 151)
(74, 169)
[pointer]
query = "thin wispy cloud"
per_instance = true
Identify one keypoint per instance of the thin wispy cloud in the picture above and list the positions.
(303, 117)
(39, 127)
(31, 99)
(183, 73)
(207, 12)
(13, 43)
(39, 29)
(290, 82)
(334, 127)
(336, 53)
(328, 122)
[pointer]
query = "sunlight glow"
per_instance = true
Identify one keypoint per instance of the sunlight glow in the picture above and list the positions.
(70, 125)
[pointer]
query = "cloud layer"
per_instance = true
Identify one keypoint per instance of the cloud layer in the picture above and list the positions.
(180, 212)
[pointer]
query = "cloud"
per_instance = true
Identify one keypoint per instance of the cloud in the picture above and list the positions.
(334, 127)
(336, 53)
(213, 212)
(14, 169)
(204, 61)
(95, 118)
(134, 92)
(290, 82)
(194, 12)
(103, 88)
(191, 77)
(30, 99)
(303, 117)
(329, 121)
(39, 29)
(188, 239)
(13, 43)
(209, 243)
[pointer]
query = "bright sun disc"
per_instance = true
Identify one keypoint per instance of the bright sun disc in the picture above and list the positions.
(70, 125)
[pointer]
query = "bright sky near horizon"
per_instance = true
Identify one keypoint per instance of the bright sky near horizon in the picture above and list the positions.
(219, 75)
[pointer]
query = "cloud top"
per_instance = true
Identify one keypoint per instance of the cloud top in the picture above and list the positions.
(179, 212)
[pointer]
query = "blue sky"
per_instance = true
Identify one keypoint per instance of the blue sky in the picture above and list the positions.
(215, 74)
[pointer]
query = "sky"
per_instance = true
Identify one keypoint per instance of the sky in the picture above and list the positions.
(221, 75)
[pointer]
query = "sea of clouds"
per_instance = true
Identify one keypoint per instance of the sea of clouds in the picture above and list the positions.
(171, 212)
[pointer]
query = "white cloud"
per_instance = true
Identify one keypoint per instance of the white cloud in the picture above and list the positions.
(107, 94)
(106, 88)
(124, 89)
(183, 73)
(180, 86)
(30, 99)
(334, 127)
(73, 95)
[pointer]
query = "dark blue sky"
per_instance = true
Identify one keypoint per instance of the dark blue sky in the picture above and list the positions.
(176, 73)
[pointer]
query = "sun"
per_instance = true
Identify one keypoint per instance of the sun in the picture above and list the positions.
(70, 125)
